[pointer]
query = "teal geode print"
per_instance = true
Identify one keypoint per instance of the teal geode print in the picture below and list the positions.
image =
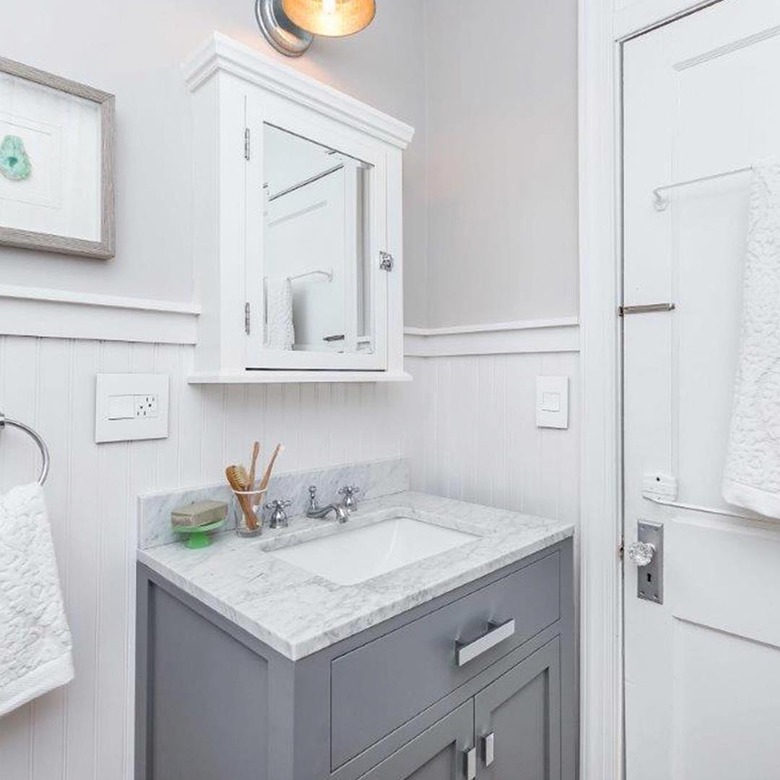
(14, 161)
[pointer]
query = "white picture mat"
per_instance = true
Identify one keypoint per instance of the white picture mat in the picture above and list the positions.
(62, 136)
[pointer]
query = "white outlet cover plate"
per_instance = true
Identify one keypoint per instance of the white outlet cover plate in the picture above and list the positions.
(552, 402)
(112, 394)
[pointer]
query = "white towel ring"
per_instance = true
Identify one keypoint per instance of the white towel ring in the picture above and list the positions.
(38, 440)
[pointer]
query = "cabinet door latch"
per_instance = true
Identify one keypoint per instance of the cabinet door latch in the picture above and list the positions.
(387, 261)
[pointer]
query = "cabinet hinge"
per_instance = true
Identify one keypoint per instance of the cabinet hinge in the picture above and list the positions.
(621, 549)
(247, 318)
(247, 143)
(387, 261)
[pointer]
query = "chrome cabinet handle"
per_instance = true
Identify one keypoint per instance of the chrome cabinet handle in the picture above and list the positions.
(470, 758)
(489, 749)
(496, 633)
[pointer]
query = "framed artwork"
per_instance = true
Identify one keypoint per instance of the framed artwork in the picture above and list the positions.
(56, 164)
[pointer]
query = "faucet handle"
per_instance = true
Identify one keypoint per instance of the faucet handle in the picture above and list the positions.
(278, 514)
(349, 491)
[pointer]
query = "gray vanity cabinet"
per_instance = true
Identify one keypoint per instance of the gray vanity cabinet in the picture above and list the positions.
(436, 754)
(518, 720)
(486, 668)
(511, 730)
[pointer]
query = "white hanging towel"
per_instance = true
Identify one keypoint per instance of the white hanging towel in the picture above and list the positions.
(35, 643)
(752, 474)
(280, 331)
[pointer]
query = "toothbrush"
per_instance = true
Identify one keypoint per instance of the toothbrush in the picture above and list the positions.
(255, 453)
(270, 467)
(236, 481)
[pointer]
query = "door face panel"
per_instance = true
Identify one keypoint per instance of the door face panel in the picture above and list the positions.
(522, 711)
(437, 754)
(703, 669)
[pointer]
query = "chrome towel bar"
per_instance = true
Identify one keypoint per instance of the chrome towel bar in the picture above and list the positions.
(661, 199)
(707, 510)
(645, 308)
(38, 440)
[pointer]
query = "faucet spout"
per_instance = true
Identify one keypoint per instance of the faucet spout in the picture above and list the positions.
(314, 510)
(321, 513)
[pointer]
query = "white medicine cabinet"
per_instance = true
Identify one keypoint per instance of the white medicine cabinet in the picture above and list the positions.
(297, 225)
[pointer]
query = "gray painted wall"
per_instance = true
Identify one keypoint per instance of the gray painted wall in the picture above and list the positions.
(134, 49)
(502, 161)
(490, 179)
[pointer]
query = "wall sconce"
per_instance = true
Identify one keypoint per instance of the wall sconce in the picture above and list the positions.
(290, 25)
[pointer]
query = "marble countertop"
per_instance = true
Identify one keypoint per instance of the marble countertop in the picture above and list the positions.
(298, 613)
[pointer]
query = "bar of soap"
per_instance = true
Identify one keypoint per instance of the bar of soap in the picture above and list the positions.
(200, 513)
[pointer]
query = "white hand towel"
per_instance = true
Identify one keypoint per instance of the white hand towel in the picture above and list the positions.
(752, 474)
(35, 643)
(280, 331)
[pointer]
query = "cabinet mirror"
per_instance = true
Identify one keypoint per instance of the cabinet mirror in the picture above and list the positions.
(316, 244)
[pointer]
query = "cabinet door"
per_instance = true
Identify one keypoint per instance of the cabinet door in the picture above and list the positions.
(518, 720)
(437, 754)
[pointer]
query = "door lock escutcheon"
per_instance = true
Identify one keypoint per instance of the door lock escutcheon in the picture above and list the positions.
(648, 555)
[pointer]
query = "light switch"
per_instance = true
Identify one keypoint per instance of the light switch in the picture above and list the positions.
(120, 407)
(131, 407)
(552, 401)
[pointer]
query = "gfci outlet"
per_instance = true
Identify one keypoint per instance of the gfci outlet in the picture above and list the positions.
(131, 407)
(147, 405)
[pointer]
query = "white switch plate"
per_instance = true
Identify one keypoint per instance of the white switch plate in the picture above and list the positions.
(131, 407)
(552, 402)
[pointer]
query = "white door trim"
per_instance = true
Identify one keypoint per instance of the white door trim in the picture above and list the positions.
(603, 26)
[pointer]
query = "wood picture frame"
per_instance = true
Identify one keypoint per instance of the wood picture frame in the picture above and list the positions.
(103, 246)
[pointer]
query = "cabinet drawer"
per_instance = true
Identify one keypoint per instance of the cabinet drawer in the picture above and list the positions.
(382, 684)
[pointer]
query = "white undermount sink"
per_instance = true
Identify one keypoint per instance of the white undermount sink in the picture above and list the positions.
(356, 555)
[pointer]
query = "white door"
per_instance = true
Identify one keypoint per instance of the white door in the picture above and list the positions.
(702, 669)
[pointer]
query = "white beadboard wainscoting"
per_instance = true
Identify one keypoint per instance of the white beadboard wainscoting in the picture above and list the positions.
(466, 422)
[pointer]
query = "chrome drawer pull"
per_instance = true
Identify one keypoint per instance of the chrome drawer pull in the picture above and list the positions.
(489, 749)
(497, 633)
(471, 763)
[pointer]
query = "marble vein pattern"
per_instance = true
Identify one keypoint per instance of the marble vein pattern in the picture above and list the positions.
(298, 613)
(374, 478)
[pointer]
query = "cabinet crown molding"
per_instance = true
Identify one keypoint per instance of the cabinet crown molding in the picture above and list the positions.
(220, 53)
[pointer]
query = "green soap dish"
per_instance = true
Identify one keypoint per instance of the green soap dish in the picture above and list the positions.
(197, 537)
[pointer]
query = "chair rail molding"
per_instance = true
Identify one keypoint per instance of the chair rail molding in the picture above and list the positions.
(500, 338)
(604, 26)
(49, 313)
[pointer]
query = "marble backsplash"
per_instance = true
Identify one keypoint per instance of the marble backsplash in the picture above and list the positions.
(374, 478)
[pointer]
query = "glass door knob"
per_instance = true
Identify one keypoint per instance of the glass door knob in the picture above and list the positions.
(641, 553)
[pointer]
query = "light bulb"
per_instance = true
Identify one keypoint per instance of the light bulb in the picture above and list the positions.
(330, 17)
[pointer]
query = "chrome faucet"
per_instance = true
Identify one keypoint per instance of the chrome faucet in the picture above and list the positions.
(278, 511)
(316, 511)
(349, 501)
